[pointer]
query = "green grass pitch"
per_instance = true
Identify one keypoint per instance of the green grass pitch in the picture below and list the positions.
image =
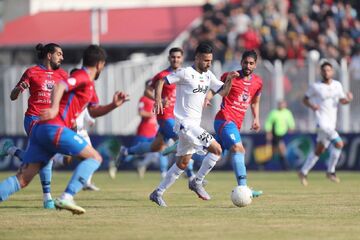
(121, 210)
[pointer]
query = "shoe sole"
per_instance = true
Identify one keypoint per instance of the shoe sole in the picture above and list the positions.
(74, 211)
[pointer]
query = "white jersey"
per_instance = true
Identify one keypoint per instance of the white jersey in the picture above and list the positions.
(326, 96)
(191, 90)
(83, 119)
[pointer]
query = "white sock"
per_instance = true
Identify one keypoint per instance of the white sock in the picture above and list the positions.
(172, 174)
(11, 151)
(46, 197)
(206, 166)
(66, 196)
(334, 158)
(309, 164)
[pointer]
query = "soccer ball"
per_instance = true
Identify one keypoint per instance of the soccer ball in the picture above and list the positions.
(241, 196)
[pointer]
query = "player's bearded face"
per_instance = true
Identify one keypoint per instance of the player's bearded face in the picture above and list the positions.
(176, 59)
(248, 65)
(203, 61)
(56, 59)
(327, 72)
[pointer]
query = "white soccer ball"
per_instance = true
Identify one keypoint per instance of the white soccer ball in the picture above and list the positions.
(241, 196)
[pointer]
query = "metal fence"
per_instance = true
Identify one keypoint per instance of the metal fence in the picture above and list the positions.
(288, 80)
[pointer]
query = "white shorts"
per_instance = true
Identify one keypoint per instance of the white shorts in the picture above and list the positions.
(326, 136)
(192, 138)
(84, 134)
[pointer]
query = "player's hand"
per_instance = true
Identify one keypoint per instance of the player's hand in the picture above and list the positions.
(47, 114)
(119, 98)
(349, 96)
(207, 103)
(232, 75)
(255, 125)
(158, 107)
(315, 107)
(165, 102)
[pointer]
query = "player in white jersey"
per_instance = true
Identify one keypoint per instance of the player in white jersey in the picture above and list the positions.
(323, 98)
(192, 85)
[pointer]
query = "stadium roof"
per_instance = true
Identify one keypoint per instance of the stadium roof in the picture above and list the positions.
(127, 27)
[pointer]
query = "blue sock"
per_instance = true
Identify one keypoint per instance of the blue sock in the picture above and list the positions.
(238, 163)
(164, 163)
(45, 174)
(189, 170)
(8, 187)
(81, 174)
(140, 148)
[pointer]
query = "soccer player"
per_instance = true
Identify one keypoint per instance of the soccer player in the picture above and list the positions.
(323, 98)
(166, 119)
(53, 134)
(245, 91)
(40, 80)
(277, 125)
(192, 85)
(146, 130)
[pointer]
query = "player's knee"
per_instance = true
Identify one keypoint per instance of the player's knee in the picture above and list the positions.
(97, 157)
(216, 149)
(238, 147)
(23, 181)
(339, 145)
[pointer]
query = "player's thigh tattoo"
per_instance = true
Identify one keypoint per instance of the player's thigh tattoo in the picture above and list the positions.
(205, 137)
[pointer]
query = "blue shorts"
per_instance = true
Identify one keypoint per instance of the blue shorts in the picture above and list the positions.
(166, 128)
(29, 122)
(227, 133)
(46, 140)
(140, 139)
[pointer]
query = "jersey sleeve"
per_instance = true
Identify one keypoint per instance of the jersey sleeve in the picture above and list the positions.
(175, 77)
(24, 78)
(215, 84)
(290, 120)
(341, 91)
(269, 121)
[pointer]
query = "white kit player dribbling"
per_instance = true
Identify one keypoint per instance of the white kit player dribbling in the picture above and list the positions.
(323, 98)
(192, 85)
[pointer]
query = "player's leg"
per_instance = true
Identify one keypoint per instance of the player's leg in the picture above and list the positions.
(335, 151)
(171, 176)
(311, 160)
(66, 141)
(282, 155)
(32, 162)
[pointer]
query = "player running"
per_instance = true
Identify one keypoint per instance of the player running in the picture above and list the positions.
(245, 92)
(323, 98)
(192, 85)
(53, 133)
(40, 80)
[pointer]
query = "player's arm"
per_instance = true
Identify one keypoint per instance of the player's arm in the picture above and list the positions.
(269, 126)
(56, 95)
(349, 97)
(255, 109)
(99, 110)
(158, 105)
(20, 87)
(227, 84)
(306, 101)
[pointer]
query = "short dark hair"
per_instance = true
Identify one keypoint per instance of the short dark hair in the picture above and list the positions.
(42, 50)
(93, 54)
(204, 48)
(73, 70)
(249, 53)
(176, 49)
(326, 63)
(148, 83)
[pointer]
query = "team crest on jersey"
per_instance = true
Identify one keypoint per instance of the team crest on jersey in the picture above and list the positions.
(48, 85)
(244, 97)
